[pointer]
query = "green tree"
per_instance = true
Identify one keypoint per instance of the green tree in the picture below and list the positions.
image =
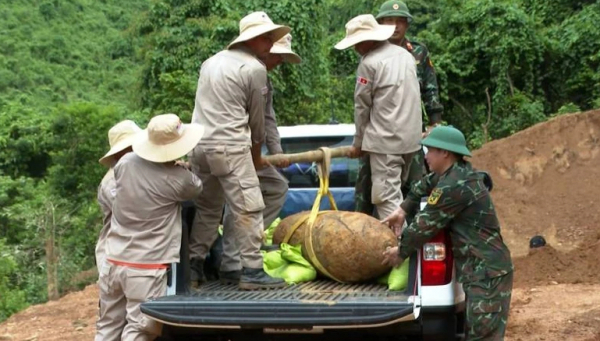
(11, 298)
(489, 49)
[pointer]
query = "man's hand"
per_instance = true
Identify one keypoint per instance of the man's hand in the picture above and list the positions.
(183, 163)
(283, 163)
(354, 152)
(391, 257)
(261, 163)
(396, 221)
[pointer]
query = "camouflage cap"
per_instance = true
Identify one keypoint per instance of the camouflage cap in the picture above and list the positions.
(394, 8)
(447, 138)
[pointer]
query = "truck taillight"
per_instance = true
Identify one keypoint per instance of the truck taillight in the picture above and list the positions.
(437, 260)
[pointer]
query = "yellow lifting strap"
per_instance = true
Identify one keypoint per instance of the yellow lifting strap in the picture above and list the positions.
(323, 172)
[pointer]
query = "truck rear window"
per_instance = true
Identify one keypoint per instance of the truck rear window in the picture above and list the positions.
(304, 175)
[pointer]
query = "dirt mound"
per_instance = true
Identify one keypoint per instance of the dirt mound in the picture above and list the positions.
(546, 182)
(547, 265)
(71, 318)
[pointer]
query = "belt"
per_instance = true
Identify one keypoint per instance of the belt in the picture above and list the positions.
(139, 265)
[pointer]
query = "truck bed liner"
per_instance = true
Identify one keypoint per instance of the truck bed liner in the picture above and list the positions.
(317, 303)
(315, 290)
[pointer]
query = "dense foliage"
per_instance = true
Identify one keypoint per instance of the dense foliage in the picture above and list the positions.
(70, 69)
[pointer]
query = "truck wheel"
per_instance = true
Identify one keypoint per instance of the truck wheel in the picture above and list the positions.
(439, 327)
(460, 326)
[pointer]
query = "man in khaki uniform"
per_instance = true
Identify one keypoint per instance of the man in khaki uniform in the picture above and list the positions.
(273, 185)
(145, 233)
(387, 108)
(230, 103)
(120, 138)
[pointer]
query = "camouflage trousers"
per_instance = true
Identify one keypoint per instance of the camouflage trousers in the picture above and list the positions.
(488, 302)
(362, 189)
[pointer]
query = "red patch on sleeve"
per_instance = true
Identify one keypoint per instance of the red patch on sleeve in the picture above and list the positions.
(362, 81)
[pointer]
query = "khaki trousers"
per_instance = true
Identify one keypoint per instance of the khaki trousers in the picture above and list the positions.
(274, 187)
(122, 290)
(388, 172)
(228, 176)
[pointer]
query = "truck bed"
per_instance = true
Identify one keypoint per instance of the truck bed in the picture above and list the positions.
(316, 304)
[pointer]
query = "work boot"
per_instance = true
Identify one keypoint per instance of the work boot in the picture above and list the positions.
(255, 279)
(230, 277)
(197, 276)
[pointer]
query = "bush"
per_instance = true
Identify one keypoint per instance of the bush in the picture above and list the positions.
(12, 299)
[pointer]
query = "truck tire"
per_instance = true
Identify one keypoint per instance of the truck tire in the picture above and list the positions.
(439, 327)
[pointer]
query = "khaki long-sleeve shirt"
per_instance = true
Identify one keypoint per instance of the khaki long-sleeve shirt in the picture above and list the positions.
(231, 98)
(387, 102)
(106, 195)
(146, 211)
(272, 138)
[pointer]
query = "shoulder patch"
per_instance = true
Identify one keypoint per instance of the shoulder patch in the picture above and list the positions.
(264, 90)
(362, 80)
(429, 62)
(434, 197)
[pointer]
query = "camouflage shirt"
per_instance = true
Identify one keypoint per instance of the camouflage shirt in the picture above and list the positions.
(458, 200)
(427, 80)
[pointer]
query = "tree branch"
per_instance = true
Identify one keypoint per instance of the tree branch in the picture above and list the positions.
(489, 116)
(461, 106)
(510, 84)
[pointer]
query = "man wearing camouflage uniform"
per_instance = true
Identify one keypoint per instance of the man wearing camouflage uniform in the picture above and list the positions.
(459, 200)
(396, 13)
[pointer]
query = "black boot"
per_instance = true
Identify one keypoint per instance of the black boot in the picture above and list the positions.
(230, 277)
(197, 272)
(255, 279)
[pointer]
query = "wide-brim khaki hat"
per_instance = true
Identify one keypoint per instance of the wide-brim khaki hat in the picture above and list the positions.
(256, 24)
(283, 47)
(167, 139)
(120, 137)
(364, 28)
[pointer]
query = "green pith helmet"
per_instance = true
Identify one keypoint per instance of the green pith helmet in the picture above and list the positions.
(394, 8)
(447, 138)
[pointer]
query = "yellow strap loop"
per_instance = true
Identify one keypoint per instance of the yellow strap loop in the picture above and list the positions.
(323, 172)
(293, 229)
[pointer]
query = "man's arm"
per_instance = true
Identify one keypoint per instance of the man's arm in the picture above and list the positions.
(420, 189)
(273, 140)
(186, 185)
(443, 204)
(256, 104)
(430, 92)
(363, 102)
(256, 112)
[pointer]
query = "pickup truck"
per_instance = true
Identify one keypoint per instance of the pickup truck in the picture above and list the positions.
(430, 308)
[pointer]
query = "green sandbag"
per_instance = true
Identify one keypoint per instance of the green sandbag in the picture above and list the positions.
(397, 278)
(269, 231)
(288, 264)
(273, 260)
